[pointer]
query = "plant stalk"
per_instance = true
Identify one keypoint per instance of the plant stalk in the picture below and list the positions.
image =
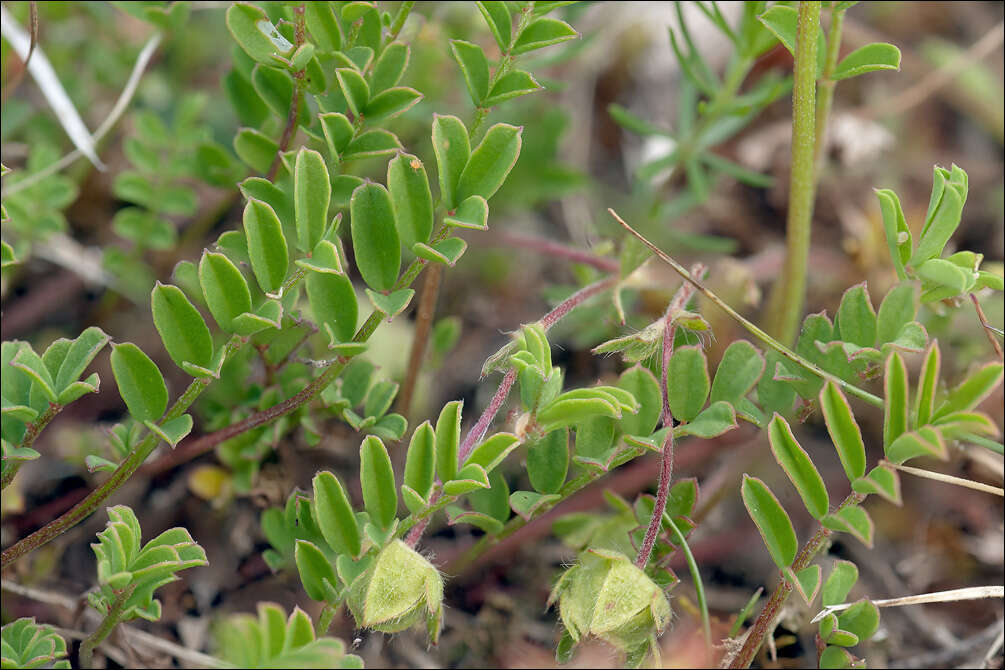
(873, 400)
(825, 89)
(30, 435)
(789, 293)
(107, 625)
(765, 622)
(132, 462)
(677, 304)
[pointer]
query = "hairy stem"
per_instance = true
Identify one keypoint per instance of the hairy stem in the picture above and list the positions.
(325, 618)
(789, 293)
(677, 304)
(416, 524)
(106, 627)
(423, 326)
(746, 323)
(765, 622)
(132, 462)
(298, 93)
(30, 435)
(825, 90)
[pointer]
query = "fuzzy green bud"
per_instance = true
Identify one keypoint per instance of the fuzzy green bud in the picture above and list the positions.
(396, 591)
(605, 595)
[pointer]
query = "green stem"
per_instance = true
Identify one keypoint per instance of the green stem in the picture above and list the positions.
(789, 293)
(765, 622)
(31, 434)
(505, 65)
(699, 585)
(132, 462)
(754, 330)
(463, 562)
(825, 89)
(325, 618)
(108, 624)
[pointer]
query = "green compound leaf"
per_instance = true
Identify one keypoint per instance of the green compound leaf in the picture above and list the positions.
(445, 252)
(323, 25)
(971, 391)
(739, 371)
(393, 303)
(354, 88)
(420, 461)
(374, 236)
(380, 495)
(471, 477)
(255, 34)
(181, 327)
(492, 451)
(642, 384)
(316, 572)
(870, 58)
(389, 68)
(312, 193)
(836, 657)
(687, 378)
(548, 461)
(473, 214)
(325, 259)
(224, 288)
(896, 405)
(853, 520)
(881, 480)
(452, 148)
(839, 583)
(173, 431)
(924, 403)
(798, 466)
(771, 520)
(500, 22)
(32, 365)
(391, 103)
(527, 503)
(266, 245)
(28, 645)
(475, 68)
(275, 87)
(898, 234)
(543, 32)
(490, 162)
(844, 430)
(78, 356)
(806, 582)
(899, 307)
(140, 383)
(334, 515)
(925, 441)
(255, 149)
(861, 619)
(856, 317)
(268, 315)
(370, 144)
(448, 435)
(714, 420)
(411, 199)
(511, 85)
(338, 132)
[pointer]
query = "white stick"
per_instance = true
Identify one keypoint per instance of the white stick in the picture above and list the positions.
(969, 593)
(41, 71)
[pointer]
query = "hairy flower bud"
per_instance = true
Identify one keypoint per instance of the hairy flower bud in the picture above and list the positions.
(605, 595)
(396, 591)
